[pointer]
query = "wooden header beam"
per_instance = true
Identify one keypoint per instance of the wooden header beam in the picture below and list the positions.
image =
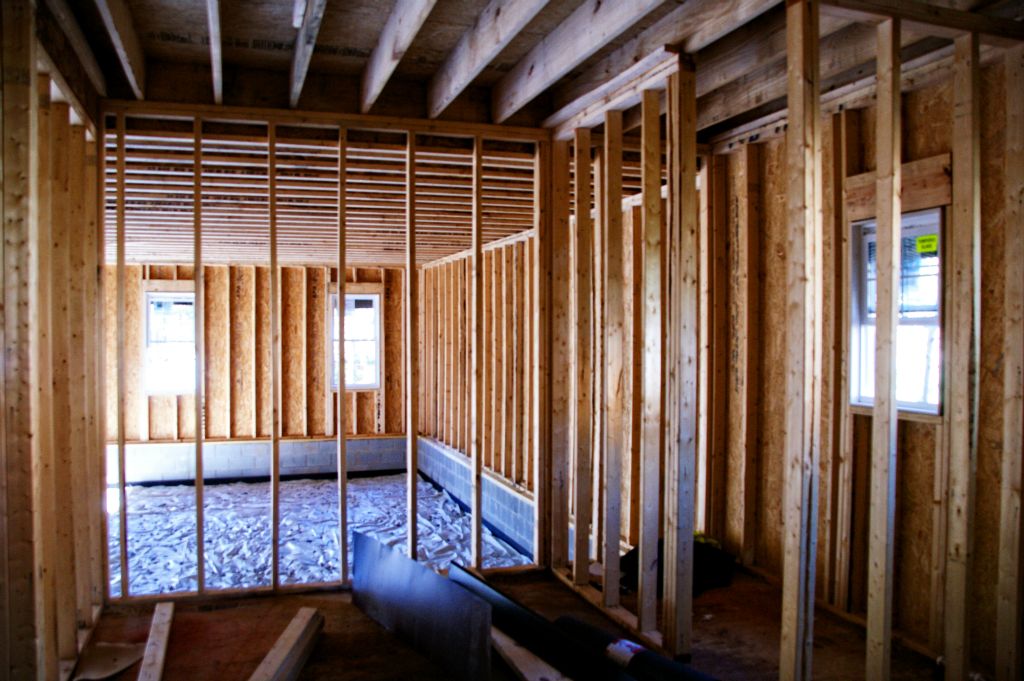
(935, 19)
(406, 19)
(80, 44)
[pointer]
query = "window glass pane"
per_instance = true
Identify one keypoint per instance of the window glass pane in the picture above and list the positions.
(362, 343)
(170, 358)
(918, 336)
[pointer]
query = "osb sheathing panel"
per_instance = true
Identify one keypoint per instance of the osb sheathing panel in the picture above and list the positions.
(316, 349)
(394, 376)
(162, 272)
(243, 351)
(915, 472)
(217, 343)
(163, 417)
(186, 417)
(986, 519)
(773, 355)
(293, 353)
(264, 366)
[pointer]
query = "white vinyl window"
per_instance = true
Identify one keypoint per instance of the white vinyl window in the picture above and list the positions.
(919, 332)
(170, 362)
(362, 341)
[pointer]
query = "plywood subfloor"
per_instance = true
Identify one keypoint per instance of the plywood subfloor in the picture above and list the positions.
(736, 630)
(224, 641)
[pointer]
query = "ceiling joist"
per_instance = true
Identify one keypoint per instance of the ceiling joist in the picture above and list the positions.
(937, 20)
(404, 23)
(305, 42)
(79, 44)
(592, 26)
(499, 23)
(216, 62)
(118, 21)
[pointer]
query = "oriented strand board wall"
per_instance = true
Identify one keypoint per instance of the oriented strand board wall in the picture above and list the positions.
(927, 117)
(238, 356)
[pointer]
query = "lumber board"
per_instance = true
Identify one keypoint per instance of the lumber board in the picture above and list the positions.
(560, 382)
(801, 393)
(411, 358)
(539, 257)
(341, 454)
(477, 386)
(964, 318)
(199, 313)
(653, 348)
(117, 19)
(589, 28)
(1009, 603)
(155, 655)
(216, 60)
(276, 387)
(685, 302)
(884, 413)
(581, 259)
(305, 43)
(291, 650)
(926, 184)
(404, 22)
(525, 665)
(612, 374)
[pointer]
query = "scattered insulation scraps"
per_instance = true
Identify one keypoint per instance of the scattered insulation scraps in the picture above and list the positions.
(162, 532)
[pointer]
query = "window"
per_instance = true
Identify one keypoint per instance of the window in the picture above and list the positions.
(170, 363)
(918, 334)
(362, 341)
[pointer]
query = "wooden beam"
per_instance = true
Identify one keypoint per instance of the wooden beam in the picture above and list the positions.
(495, 27)
(117, 19)
(614, 345)
(802, 389)
(22, 338)
(216, 62)
(684, 316)
(651, 396)
(199, 310)
(342, 454)
(305, 43)
(935, 19)
(121, 354)
(152, 668)
(275, 359)
(1009, 603)
(964, 318)
(562, 352)
(539, 303)
(79, 43)
(589, 28)
(411, 359)
(405, 21)
(291, 650)
(580, 401)
(618, 78)
(476, 386)
(888, 213)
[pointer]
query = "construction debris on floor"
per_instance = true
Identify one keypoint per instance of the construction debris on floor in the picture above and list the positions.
(237, 532)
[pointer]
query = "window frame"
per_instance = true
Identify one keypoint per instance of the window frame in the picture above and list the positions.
(378, 297)
(861, 317)
(166, 294)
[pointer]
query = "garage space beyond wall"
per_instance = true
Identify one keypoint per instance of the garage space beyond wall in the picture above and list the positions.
(238, 355)
(751, 200)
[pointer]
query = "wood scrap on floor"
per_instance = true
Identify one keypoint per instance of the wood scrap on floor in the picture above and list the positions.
(288, 656)
(156, 646)
(103, 660)
(524, 663)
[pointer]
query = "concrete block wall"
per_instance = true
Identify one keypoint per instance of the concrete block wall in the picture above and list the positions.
(175, 461)
(507, 511)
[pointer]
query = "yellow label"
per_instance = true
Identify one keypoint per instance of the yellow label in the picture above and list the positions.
(929, 243)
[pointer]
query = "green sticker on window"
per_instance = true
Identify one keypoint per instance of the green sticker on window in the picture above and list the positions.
(929, 243)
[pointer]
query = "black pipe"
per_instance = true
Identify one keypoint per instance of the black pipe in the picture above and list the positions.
(641, 663)
(538, 635)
